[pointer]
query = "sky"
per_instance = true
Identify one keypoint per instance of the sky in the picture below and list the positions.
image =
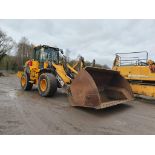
(93, 39)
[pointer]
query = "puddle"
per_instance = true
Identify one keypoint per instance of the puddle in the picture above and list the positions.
(12, 94)
(120, 122)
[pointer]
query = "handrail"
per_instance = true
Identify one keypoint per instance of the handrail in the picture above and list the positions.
(124, 59)
(134, 53)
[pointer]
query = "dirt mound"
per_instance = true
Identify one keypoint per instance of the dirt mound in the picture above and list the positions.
(1, 74)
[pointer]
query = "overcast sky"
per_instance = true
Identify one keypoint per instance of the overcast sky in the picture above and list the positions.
(93, 39)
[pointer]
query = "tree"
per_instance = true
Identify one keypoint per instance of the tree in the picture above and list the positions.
(106, 67)
(67, 54)
(6, 44)
(24, 51)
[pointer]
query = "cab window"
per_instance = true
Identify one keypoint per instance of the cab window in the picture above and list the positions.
(43, 55)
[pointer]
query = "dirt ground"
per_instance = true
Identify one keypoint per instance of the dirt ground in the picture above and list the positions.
(28, 113)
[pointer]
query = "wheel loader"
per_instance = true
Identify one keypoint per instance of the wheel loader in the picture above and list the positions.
(138, 70)
(85, 86)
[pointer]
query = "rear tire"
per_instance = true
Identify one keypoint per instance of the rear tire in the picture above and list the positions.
(47, 84)
(25, 84)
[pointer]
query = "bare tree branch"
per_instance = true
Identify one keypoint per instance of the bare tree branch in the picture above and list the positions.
(6, 44)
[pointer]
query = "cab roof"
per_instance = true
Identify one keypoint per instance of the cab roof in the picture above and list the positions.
(46, 46)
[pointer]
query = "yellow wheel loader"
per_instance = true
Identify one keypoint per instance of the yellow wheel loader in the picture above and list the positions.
(138, 70)
(86, 86)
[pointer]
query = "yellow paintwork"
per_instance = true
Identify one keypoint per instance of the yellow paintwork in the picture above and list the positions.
(79, 63)
(19, 74)
(34, 72)
(46, 64)
(75, 64)
(43, 85)
(143, 90)
(23, 81)
(136, 72)
(140, 73)
(72, 69)
(61, 72)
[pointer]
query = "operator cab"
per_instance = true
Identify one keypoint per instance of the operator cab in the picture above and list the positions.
(46, 53)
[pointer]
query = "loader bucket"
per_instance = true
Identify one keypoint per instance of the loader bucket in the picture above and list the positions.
(99, 88)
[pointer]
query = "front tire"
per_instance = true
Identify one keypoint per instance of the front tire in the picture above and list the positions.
(25, 84)
(47, 84)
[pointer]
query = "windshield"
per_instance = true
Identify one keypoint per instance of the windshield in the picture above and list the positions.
(49, 54)
(46, 54)
(43, 55)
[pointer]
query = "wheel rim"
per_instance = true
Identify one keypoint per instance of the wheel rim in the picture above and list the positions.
(43, 85)
(23, 81)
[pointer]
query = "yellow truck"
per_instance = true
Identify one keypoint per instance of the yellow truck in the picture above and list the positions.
(138, 70)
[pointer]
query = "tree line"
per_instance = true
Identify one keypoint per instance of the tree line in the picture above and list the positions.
(22, 51)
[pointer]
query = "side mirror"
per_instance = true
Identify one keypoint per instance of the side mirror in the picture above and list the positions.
(61, 51)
